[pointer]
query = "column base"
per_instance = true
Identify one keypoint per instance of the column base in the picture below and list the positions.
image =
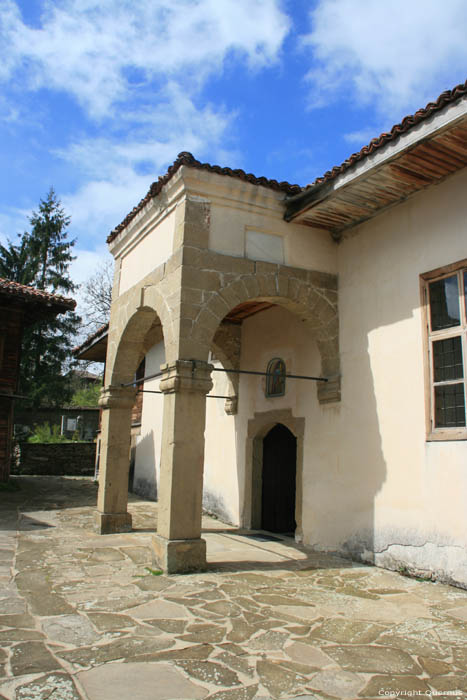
(179, 556)
(110, 523)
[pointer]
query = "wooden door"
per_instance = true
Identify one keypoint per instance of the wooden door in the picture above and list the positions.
(278, 483)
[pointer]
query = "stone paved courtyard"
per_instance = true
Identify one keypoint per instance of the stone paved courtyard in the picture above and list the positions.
(85, 616)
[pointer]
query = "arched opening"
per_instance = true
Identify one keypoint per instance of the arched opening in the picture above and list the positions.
(129, 342)
(279, 472)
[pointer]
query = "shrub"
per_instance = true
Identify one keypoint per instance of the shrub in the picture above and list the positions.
(88, 396)
(46, 434)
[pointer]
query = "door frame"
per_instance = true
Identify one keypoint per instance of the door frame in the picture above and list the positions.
(258, 428)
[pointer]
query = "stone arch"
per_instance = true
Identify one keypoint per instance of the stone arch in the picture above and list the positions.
(142, 330)
(310, 295)
(133, 329)
(258, 428)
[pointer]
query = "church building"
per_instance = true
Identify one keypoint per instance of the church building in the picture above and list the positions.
(304, 353)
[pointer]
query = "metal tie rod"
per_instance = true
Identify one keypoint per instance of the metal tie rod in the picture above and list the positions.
(269, 374)
(234, 371)
(208, 396)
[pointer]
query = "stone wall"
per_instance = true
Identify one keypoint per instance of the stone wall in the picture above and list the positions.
(62, 459)
(86, 420)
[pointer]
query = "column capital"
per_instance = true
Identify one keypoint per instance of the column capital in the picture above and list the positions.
(117, 397)
(186, 375)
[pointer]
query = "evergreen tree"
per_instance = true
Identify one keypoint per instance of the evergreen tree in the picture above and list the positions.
(50, 248)
(16, 263)
(42, 260)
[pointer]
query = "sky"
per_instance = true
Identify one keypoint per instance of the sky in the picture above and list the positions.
(97, 97)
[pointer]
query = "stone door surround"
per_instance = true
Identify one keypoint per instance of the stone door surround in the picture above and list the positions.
(258, 428)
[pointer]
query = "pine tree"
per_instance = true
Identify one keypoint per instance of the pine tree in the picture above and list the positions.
(50, 248)
(16, 263)
(42, 260)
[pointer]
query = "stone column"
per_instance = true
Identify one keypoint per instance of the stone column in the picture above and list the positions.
(178, 545)
(116, 403)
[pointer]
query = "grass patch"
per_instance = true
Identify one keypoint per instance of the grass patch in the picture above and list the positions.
(153, 572)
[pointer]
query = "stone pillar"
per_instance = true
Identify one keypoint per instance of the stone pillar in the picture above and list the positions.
(178, 545)
(116, 403)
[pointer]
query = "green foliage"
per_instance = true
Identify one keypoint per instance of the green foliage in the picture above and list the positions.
(45, 433)
(42, 259)
(49, 246)
(16, 263)
(87, 396)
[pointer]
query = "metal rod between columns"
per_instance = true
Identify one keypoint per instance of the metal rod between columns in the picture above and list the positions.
(232, 371)
(208, 396)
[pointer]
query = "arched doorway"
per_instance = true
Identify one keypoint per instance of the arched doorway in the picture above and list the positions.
(279, 480)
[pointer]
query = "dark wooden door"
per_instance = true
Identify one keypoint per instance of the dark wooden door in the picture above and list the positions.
(278, 489)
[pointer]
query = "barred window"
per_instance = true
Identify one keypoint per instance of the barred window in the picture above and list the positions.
(445, 299)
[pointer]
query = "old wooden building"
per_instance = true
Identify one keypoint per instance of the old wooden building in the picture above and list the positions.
(19, 306)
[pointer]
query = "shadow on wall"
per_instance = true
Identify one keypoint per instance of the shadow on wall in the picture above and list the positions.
(340, 464)
(382, 436)
(214, 505)
(143, 481)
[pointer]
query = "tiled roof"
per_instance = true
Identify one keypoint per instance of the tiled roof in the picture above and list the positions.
(188, 159)
(405, 125)
(31, 294)
(91, 338)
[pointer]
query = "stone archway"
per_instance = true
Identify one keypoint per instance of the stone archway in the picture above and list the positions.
(129, 339)
(309, 294)
(258, 428)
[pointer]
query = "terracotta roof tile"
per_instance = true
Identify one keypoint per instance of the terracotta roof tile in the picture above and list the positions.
(31, 294)
(188, 159)
(91, 338)
(397, 130)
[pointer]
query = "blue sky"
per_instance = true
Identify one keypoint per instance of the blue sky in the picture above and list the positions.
(97, 97)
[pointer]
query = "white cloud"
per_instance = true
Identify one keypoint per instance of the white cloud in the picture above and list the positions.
(137, 69)
(103, 51)
(13, 222)
(120, 170)
(395, 54)
(99, 205)
(362, 136)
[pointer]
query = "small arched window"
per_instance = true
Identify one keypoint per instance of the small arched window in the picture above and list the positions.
(275, 378)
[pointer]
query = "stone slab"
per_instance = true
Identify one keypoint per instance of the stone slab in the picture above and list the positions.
(139, 681)
(159, 609)
(70, 629)
(55, 686)
(32, 657)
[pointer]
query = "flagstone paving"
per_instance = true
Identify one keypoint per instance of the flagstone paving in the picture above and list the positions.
(86, 617)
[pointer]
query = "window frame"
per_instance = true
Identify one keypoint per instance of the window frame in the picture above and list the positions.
(269, 376)
(459, 268)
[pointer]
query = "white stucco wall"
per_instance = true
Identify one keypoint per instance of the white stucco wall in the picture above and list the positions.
(401, 495)
(220, 471)
(221, 487)
(153, 247)
(302, 246)
(148, 443)
(279, 333)
(371, 481)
